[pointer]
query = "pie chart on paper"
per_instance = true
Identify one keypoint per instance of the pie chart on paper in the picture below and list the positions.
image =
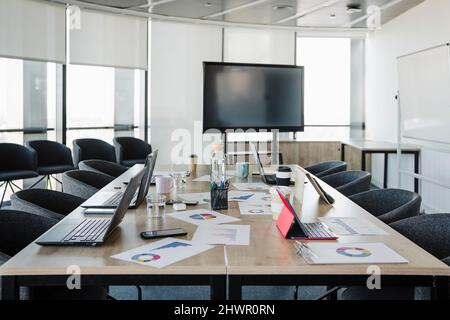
(145, 257)
(203, 216)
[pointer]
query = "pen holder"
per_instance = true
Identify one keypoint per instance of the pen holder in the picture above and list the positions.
(219, 199)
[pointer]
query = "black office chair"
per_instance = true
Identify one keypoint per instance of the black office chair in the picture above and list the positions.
(100, 166)
(326, 168)
(88, 149)
(131, 151)
(432, 233)
(16, 162)
(389, 205)
(44, 202)
(53, 158)
(349, 182)
(84, 184)
(27, 227)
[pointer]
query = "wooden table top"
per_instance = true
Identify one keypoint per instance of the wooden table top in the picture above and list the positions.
(268, 252)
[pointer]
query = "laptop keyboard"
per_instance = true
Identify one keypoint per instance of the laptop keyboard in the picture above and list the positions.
(89, 230)
(317, 230)
(114, 200)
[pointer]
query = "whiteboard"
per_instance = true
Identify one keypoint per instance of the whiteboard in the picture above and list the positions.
(424, 84)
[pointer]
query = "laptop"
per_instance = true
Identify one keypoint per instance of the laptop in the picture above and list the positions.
(110, 200)
(292, 228)
(266, 178)
(90, 231)
(322, 193)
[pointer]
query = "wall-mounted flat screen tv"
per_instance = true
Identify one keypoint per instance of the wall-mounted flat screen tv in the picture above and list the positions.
(253, 96)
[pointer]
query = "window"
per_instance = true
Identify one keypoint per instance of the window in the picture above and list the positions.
(327, 83)
(103, 102)
(28, 99)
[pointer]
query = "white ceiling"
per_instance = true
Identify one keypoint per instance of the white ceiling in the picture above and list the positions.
(288, 13)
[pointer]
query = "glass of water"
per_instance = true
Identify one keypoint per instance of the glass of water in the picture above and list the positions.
(179, 180)
(156, 205)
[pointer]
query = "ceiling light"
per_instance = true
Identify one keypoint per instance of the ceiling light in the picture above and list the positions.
(353, 9)
(333, 16)
(208, 4)
(283, 7)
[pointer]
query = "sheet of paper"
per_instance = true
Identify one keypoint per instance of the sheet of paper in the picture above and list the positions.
(202, 216)
(248, 196)
(163, 253)
(202, 197)
(353, 253)
(252, 209)
(251, 186)
(223, 234)
(345, 226)
(205, 178)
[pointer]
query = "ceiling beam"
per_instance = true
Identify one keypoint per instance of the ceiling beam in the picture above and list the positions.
(303, 13)
(366, 16)
(151, 4)
(241, 7)
(349, 32)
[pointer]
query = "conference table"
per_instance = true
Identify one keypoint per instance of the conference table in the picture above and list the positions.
(268, 260)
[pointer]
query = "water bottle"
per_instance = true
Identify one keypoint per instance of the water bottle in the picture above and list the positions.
(218, 165)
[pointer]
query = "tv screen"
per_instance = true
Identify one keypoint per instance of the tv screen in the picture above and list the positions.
(251, 96)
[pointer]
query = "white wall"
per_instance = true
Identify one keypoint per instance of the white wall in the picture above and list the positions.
(422, 27)
(176, 93)
(178, 51)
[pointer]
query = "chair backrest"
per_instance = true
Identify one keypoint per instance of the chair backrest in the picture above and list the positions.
(110, 168)
(389, 205)
(83, 183)
(17, 157)
(129, 148)
(326, 168)
(18, 229)
(49, 203)
(51, 152)
(429, 231)
(94, 179)
(349, 182)
(86, 149)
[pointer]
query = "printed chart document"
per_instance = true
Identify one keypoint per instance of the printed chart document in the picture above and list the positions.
(201, 197)
(205, 178)
(351, 253)
(203, 216)
(163, 253)
(253, 209)
(251, 186)
(223, 234)
(250, 197)
(344, 226)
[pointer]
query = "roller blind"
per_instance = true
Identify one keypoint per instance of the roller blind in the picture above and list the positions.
(109, 40)
(32, 30)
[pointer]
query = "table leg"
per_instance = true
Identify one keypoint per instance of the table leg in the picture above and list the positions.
(234, 287)
(218, 284)
(342, 152)
(386, 168)
(10, 290)
(441, 290)
(416, 171)
(363, 161)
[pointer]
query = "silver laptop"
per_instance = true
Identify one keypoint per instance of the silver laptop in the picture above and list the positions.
(90, 231)
(110, 200)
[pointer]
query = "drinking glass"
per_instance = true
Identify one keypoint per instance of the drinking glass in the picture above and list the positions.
(156, 206)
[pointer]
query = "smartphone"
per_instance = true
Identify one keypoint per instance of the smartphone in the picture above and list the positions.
(163, 233)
